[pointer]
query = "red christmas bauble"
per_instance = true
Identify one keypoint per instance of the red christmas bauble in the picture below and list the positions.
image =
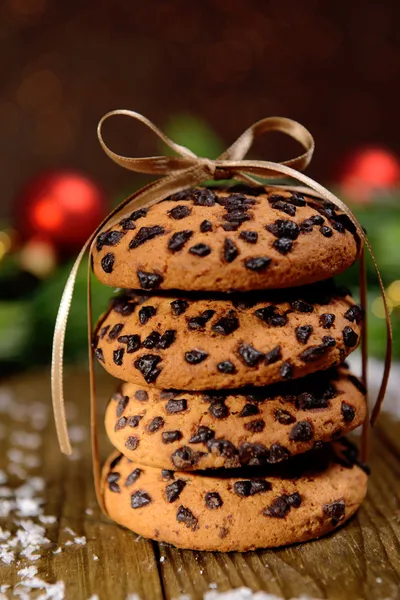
(369, 171)
(63, 207)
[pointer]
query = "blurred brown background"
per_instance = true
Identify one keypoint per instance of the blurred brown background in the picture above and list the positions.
(332, 65)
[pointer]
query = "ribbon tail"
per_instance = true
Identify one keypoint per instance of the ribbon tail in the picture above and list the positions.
(57, 362)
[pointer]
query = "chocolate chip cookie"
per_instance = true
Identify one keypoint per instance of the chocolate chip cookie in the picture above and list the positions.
(253, 426)
(242, 238)
(237, 510)
(201, 342)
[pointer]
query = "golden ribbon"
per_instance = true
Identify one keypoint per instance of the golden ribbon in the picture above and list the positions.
(178, 173)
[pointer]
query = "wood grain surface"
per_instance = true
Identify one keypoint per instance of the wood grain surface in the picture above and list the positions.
(359, 561)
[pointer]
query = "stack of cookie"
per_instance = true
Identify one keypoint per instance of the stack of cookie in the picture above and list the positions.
(235, 394)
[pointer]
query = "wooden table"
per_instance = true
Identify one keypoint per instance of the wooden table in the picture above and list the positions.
(359, 561)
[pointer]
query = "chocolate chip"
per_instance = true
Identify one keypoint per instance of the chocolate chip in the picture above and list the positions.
(141, 395)
(203, 434)
(303, 332)
(138, 214)
(205, 226)
(115, 461)
(218, 409)
(301, 306)
(139, 499)
(200, 250)
(226, 325)
(256, 426)
(147, 364)
(152, 340)
(253, 454)
(249, 410)
(168, 437)
(132, 477)
(145, 234)
(113, 476)
(149, 281)
(348, 412)
(350, 337)
(297, 199)
(226, 367)
(280, 203)
(250, 237)
(132, 342)
(284, 228)
(178, 240)
(231, 226)
(123, 307)
(120, 424)
(353, 314)
(284, 417)
(260, 263)
(273, 355)
(99, 354)
(155, 424)
(302, 432)
(204, 197)
(113, 485)
(286, 370)
(145, 313)
(314, 353)
(103, 331)
(326, 231)
(173, 490)
(167, 475)
(107, 262)
(179, 212)
(327, 320)
(185, 458)
(249, 355)
(307, 401)
(115, 331)
(278, 509)
(176, 406)
(132, 442)
(283, 245)
(127, 224)
(335, 511)
(194, 357)
(184, 515)
(271, 316)
(231, 251)
(294, 500)
(200, 321)
(121, 406)
(167, 339)
(179, 306)
(278, 453)
(222, 447)
(213, 500)
(134, 420)
(118, 356)
(251, 487)
(109, 238)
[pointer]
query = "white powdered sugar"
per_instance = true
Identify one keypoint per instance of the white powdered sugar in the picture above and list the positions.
(23, 502)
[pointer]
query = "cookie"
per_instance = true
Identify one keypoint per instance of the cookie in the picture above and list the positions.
(238, 239)
(203, 342)
(237, 510)
(189, 431)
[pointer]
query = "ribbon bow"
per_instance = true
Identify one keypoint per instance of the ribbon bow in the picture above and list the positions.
(178, 173)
